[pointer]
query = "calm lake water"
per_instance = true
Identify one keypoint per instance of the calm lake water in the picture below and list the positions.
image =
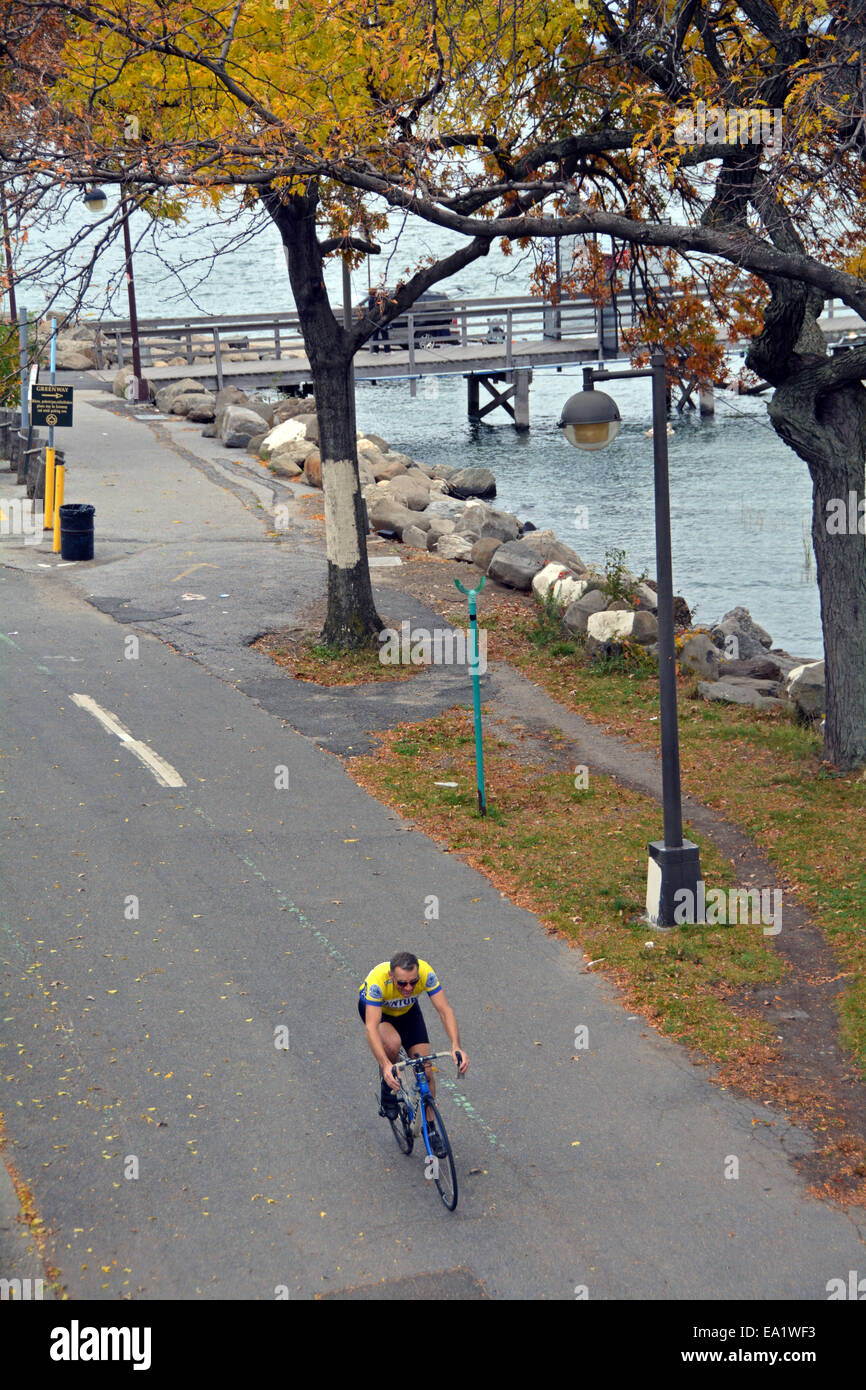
(740, 500)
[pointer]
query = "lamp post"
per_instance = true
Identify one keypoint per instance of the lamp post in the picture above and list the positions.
(96, 202)
(590, 420)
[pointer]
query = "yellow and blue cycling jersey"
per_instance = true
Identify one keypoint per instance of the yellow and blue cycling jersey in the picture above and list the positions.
(378, 989)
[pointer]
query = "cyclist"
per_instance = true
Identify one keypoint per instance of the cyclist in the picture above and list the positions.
(392, 1018)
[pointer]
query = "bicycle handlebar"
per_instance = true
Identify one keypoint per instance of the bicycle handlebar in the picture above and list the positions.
(401, 1066)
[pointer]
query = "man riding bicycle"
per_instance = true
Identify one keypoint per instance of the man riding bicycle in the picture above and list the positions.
(393, 1020)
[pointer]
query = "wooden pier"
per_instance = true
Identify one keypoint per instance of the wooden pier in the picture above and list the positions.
(495, 344)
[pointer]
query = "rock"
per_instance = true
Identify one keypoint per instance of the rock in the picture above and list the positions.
(365, 474)
(384, 470)
(760, 694)
(527, 527)
(647, 598)
(805, 689)
(376, 439)
(202, 409)
(202, 402)
(418, 539)
(438, 525)
(449, 507)
(550, 549)
(228, 395)
(311, 425)
(577, 614)
(487, 521)
(295, 452)
(515, 564)
(421, 467)
(739, 636)
(472, 482)
(619, 605)
(286, 432)
(78, 359)
(265, 409)
(454, 547)
(121, 382)
(419, 478)
(760, 669)
(442, 471)
(238, 426)
(387, 515)
(209, 431)
(546, 578)
(289, 409)
(483, 552)
(682, 612)
(166, 397)
(607, 630)
(700, 655)
(409, 493)
(313, 469)
(256, 442)
(284, 467)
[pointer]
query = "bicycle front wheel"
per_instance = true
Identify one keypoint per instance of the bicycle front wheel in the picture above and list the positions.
(445, 1174)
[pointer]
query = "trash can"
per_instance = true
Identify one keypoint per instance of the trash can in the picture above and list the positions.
(76, 531)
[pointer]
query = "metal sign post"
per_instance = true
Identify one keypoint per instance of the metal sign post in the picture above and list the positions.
(472, 595)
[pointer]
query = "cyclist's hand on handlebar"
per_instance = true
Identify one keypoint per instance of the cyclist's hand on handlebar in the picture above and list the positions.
(391, 1079)
(461, 1061)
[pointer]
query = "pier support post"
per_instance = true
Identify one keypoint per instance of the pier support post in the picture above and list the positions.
(707, 404)
(522, 378)
(472, 397)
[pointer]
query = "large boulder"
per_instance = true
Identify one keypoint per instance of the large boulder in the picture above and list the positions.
(740, 636)
(289, 409)
(449, 507)
(487, 521)
(740, 690)
(226, 396)
(515, 564)
(443, 471)
(438, 525)
(195, 405)
(313, 469)
(310, 421)
(416, 538)
(700, 655)
(284, 467)
(558, 581)
(238, 426)
(386, 514)
(607, 631)
(577, 614)
(74, 357)
(550, 549)
(121, 382)
(286, 432)
(294, 453)
(472, 482)
(166, 397)
(805, 687)
(384, 469)
(454, 547)
(483, 552)
(413, 495)
(265, 409)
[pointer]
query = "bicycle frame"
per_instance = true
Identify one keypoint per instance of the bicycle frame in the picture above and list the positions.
(417, 1094)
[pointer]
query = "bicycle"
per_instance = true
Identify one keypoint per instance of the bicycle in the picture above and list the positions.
(413, 1100)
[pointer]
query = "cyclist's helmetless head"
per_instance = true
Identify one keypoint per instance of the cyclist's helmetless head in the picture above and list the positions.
(404, 971)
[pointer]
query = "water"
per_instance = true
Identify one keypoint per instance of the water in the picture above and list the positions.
(740, 500)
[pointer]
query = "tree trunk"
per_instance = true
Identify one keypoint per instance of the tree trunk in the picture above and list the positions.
(352, 620)
(828, 431)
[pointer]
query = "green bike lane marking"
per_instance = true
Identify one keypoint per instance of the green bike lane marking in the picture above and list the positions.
(352, 970)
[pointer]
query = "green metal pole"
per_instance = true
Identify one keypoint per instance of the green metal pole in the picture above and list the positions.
(472, 595)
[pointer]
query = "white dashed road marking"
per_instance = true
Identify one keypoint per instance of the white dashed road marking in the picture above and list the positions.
(165, 774)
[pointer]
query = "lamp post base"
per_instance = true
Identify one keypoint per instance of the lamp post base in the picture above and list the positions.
(672, 882)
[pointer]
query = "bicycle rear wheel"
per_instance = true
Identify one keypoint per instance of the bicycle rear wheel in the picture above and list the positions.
(446, 1176)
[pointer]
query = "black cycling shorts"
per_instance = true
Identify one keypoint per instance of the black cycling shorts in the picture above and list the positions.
(410, 1025)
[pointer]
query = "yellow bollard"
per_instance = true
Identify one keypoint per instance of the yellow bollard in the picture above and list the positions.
(59, 471)
(48, 521)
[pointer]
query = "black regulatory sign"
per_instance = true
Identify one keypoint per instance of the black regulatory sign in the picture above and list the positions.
(51, 405)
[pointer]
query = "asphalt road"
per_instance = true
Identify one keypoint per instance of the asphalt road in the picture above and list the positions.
(154, 938)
